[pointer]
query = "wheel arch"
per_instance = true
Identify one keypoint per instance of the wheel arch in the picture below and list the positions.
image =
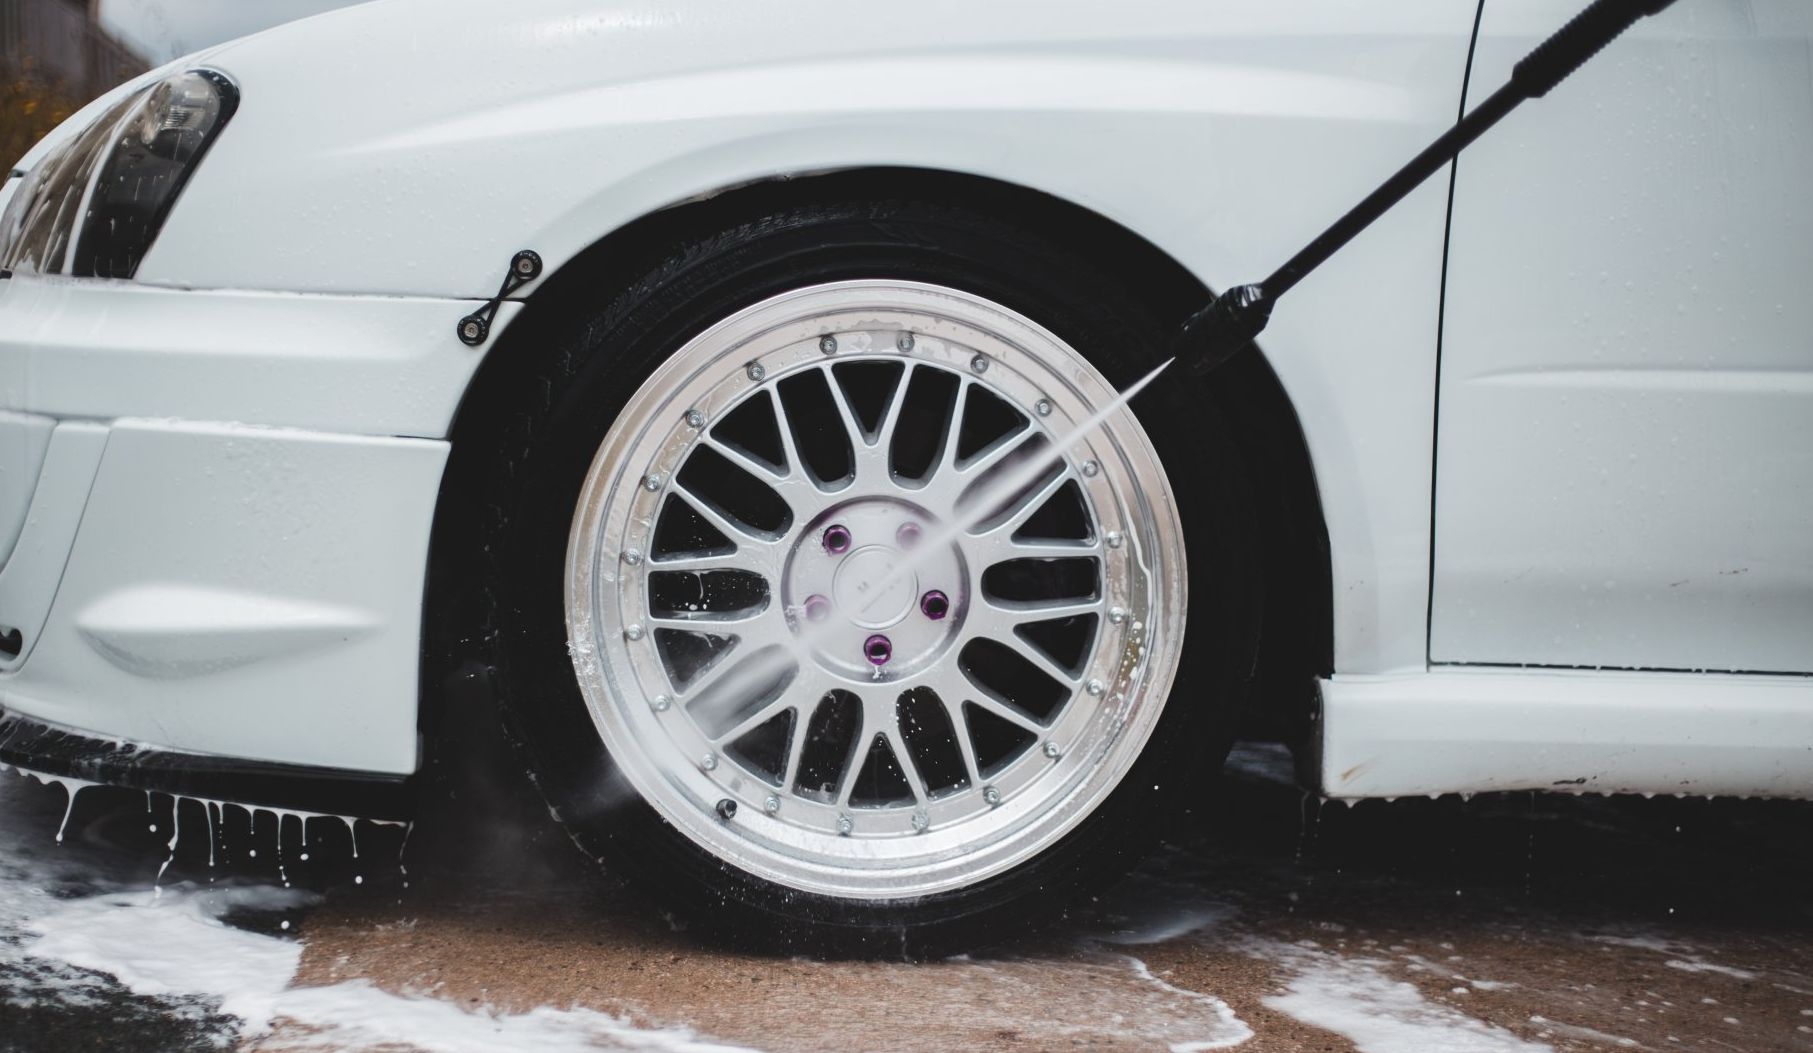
(1298, 636)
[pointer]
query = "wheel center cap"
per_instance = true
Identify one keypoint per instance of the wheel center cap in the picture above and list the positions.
(868, 592)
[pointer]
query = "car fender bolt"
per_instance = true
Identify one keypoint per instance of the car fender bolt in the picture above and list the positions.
(878, 649)
(652, 482)
(695, 419)
(908, 535)
(727, 809)
(709, 761)
(817, 608)
(1043, 407)
(472, 329)
(904, 341)
(828, 344)
(1096, 687)
(979, 363)
(991, 795)
(935, 605)
(772, 804)
(921, 821)
(756, 372)
(844, 825)
(633, 632)
(1052, 751)
(632, 556)
(837, 539)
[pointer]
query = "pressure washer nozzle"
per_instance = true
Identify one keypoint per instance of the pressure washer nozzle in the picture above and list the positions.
(1224, 328)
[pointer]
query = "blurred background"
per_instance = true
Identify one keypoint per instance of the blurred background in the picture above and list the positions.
(56, 55)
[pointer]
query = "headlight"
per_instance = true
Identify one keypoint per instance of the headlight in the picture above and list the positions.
(92, 207)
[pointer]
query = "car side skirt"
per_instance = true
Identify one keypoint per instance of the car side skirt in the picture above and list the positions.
(43, 749)
(1480, 730)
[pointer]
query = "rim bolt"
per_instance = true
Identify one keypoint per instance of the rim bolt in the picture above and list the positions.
(1052, 751)
(772, 804)
(837, 538)
(1043, 407)
(695, 419)
(1090, 468)
(844, 825)
(828, 344)
(904, 341)
(991, 795)
(660, 703)
(709, 761)
(935, 605)
(633, 632)
(1096, 687)
(1116, 615)
(652, 482)
(908, 535)
(727, 809)
(979, 363)
(878, 649)
(1113, 537)
(632, 556)
(921, 821)
(817, 608)
(756, 372)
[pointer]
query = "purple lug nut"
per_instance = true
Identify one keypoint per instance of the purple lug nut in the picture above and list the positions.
(877, 649)
(837, 538)
(935, 605)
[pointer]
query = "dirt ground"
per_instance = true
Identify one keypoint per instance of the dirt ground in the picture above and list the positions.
(1504, 924)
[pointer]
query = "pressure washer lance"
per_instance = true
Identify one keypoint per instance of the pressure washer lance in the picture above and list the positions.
(1226, 326)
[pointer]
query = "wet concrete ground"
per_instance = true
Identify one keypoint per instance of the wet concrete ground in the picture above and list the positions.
(1506, 923)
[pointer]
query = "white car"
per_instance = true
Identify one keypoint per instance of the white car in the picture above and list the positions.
(733, 387)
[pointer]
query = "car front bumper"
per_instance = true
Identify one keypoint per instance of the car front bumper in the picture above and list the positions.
(215, 510)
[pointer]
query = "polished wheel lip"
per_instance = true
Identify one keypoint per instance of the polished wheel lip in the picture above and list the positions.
(937, 845)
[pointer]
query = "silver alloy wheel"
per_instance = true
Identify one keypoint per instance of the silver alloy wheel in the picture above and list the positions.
(832, 619)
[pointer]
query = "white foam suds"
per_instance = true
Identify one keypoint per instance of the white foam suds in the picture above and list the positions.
(1355, 998)
(177, 945)
(173, 944)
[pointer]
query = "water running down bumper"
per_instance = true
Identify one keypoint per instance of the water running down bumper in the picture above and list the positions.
(38, 747)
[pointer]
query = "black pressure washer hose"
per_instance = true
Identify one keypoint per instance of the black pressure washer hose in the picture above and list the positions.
(1227, 325)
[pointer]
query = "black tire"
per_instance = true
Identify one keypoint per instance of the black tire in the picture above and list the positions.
(584, 368)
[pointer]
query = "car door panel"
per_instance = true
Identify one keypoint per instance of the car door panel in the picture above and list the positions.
(1625, 447)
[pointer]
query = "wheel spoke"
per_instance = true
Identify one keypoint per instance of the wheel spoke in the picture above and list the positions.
(908, 767)
(953, 430)
(748, 462)
(753, 655)
(796, 743)
(1038, 658)
(1006, 712)
(726, 525)
(1027, 506)
(789, 698)
(1012, 614)
(890, 420)
(705, 621)
(999, 546)
(796, 468)
(852, 426)
(846, 780)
